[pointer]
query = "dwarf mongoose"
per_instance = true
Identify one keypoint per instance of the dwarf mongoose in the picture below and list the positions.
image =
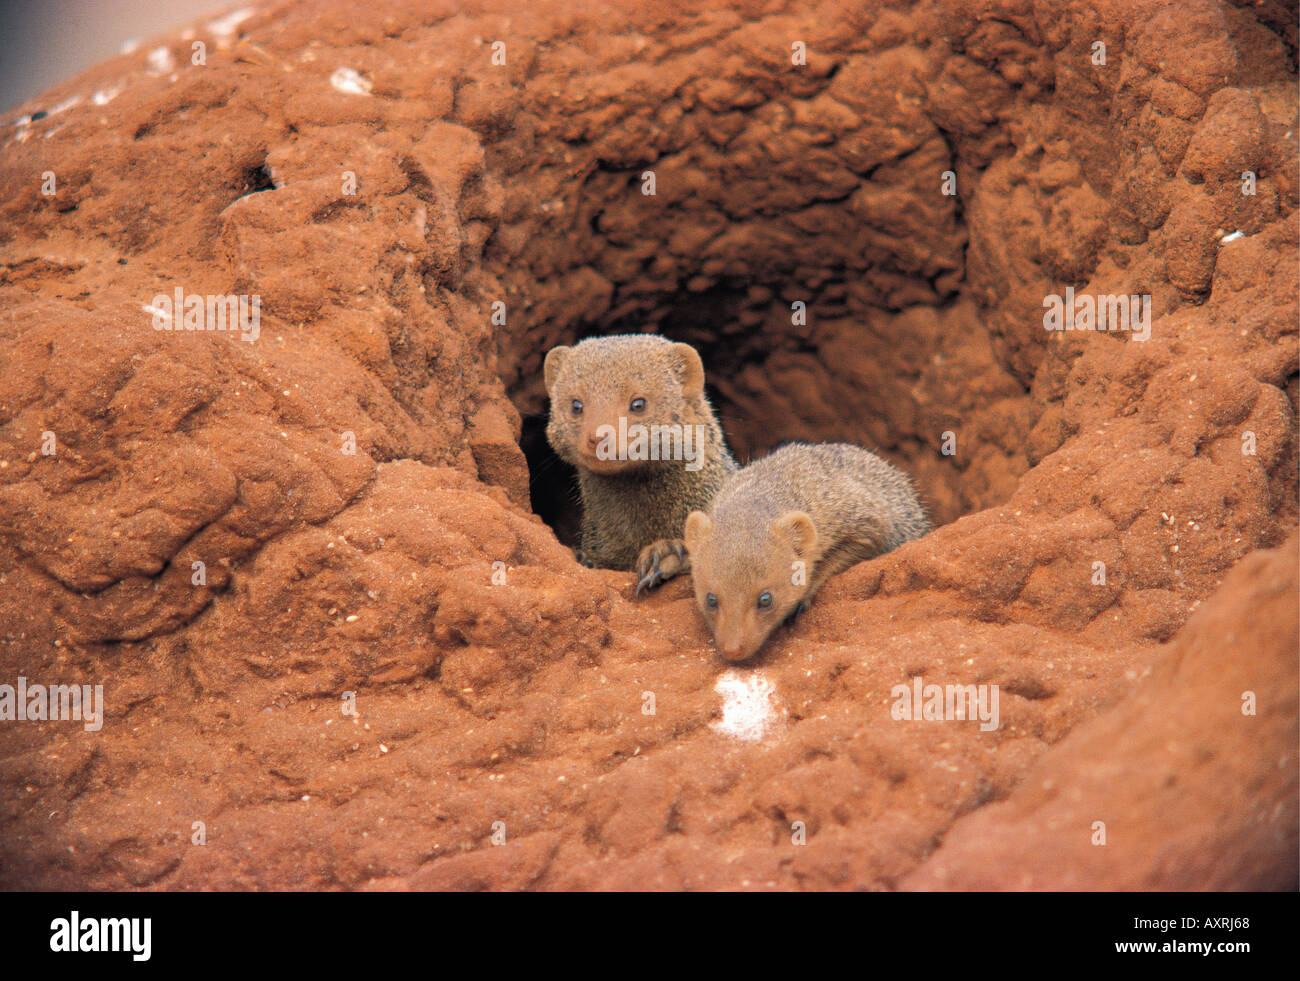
(783, 525)
(630, 413)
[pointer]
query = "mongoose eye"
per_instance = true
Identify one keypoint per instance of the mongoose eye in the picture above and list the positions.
(712, 601)
(638, 405)
(576, 407)
(764, 600)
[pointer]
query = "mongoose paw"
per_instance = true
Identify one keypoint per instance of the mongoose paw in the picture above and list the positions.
(660, 561)
(582, 558)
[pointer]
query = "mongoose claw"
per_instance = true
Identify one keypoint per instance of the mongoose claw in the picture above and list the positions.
(659, 562)
(582, 558)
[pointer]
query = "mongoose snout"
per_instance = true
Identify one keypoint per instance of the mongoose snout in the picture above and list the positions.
(783, 525)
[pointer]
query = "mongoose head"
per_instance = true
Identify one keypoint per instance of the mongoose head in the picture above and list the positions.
(642, 378)
(749, 579)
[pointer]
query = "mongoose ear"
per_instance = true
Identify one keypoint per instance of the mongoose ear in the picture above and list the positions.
(797, 528)
(692, 370)
(554, 362)
(698, 528)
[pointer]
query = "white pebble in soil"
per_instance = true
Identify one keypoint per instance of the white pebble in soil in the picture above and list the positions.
(350, 81)
(748, 705)
(224, 28)
(160, 60)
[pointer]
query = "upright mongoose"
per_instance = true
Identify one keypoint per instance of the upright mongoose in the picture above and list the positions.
(786, 523)
(630, 413)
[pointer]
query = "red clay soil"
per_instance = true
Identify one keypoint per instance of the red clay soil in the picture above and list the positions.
(1116, 548)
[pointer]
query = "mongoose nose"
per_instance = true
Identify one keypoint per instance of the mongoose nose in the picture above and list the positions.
(732, 653)
(592, 441)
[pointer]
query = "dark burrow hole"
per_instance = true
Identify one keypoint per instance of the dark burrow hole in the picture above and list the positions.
(256, 179)
(552, 483)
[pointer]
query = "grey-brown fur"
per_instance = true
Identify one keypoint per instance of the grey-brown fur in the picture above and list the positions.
(632, 517)
(814, 509)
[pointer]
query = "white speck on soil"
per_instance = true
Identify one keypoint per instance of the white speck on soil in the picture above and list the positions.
(748, 709)
(349, 81)
(65, 105)
(224, 28)
(160, 60)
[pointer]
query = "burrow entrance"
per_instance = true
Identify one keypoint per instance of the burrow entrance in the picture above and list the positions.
(823, 282)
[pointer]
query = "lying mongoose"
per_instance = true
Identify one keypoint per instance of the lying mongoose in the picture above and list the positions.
(785, 524)
(630, 413)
